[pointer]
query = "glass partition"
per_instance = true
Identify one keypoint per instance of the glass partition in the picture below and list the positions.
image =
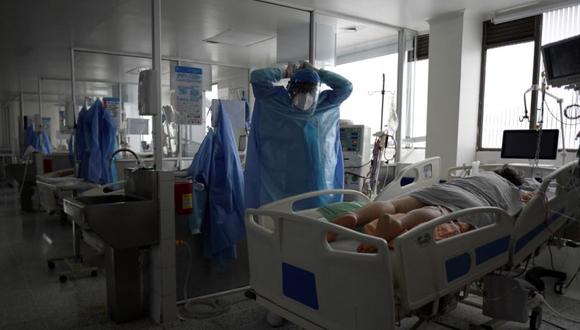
(363, 54)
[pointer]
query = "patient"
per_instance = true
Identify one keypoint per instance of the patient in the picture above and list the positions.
(389, 219)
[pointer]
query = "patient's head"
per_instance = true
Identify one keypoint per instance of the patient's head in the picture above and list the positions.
(511, 175)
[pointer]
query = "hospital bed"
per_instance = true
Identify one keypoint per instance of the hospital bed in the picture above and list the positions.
(295, 273)
(53, 187)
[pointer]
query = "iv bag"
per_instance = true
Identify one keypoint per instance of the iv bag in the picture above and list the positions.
(393, 122)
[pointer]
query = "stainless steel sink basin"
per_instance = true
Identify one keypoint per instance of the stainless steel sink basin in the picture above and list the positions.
(121, 221)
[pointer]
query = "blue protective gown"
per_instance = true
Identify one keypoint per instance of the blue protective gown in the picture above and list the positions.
(95, 143)
(217, 166)
(30, 138)
(79, 142)
(40, 141)
(289, 151)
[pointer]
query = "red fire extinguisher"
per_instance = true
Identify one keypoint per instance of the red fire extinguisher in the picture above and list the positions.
(183, 197)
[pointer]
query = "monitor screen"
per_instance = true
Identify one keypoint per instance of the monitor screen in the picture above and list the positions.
(562, 61)
(522, 144)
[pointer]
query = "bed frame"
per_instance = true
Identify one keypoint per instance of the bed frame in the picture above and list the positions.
(295, 273)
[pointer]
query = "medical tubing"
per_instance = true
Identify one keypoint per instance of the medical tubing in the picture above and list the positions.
(543, 300)
(558, 120)
(188, 271)
(569, 116)
(538, 145)
(382, 102)
(215, 307)
(357, 175)
(361, 166)
(24, 175)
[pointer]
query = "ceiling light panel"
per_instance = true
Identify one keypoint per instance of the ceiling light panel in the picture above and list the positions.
(238, 38)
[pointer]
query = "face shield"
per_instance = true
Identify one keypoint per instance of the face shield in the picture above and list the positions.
(304, 88)
(304, 97)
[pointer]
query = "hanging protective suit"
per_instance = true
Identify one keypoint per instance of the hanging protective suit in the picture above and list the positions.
(95, 135)
(30, 139)
(80, 144)
(291, 151)
(221, 204)
(40, 141)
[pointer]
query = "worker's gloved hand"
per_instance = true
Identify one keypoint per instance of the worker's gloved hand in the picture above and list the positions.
(290, 68)
(307, 65)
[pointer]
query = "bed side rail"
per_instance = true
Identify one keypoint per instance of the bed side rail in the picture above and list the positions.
(429, 269)
(426, 173)
(287, 204)
(526, 169)
(292, 266)
(561, 175)
(541, 217)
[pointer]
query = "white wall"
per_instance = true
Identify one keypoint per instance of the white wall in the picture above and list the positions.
(444, 86)
(470, 81)
(453, 96)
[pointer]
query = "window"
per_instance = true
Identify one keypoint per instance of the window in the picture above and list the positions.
(558, 25)
(415, 120)
(364, 104)
(508, 72)
(512, 63)
(509, 52)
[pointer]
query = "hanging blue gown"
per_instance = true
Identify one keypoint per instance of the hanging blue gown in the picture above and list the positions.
(217, 166)
(96, 131)
(290, 151)
(40, 141)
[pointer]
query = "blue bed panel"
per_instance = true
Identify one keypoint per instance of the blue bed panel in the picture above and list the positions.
(524, 240)
(457, 266)
(300, 285)
(491, 249)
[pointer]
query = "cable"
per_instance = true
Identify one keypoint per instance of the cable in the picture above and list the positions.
(188, 271)
(554, 324)
(577, 106)
(357, 175)
(538, 146)
(558, 120)
(361, 166)
(551, 257)
(572, 279)
(543, 300)
(205, 309)
(201, 309)
(525, 268)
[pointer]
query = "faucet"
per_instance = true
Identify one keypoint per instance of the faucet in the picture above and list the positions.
(126, 150)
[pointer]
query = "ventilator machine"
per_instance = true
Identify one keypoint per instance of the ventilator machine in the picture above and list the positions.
(356, 152)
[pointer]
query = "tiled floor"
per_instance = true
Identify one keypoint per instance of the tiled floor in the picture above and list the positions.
(32, 298)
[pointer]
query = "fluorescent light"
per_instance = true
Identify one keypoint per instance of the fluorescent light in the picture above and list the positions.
(238, 38)
(533, 9)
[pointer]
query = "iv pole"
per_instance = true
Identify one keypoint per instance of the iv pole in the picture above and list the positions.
(543, 89)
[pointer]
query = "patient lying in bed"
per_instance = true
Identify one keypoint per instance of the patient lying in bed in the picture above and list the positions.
(389, 219)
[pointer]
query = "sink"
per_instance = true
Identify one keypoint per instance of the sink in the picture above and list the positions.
(122, 221)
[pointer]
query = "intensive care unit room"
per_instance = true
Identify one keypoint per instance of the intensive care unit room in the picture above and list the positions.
(290, 164)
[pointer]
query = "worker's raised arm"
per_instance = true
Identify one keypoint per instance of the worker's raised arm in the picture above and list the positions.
(263, 80)
(340, 88)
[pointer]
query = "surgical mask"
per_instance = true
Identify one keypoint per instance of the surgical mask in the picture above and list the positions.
(303, 101)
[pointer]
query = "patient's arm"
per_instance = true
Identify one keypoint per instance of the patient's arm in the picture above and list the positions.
(526, 196)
